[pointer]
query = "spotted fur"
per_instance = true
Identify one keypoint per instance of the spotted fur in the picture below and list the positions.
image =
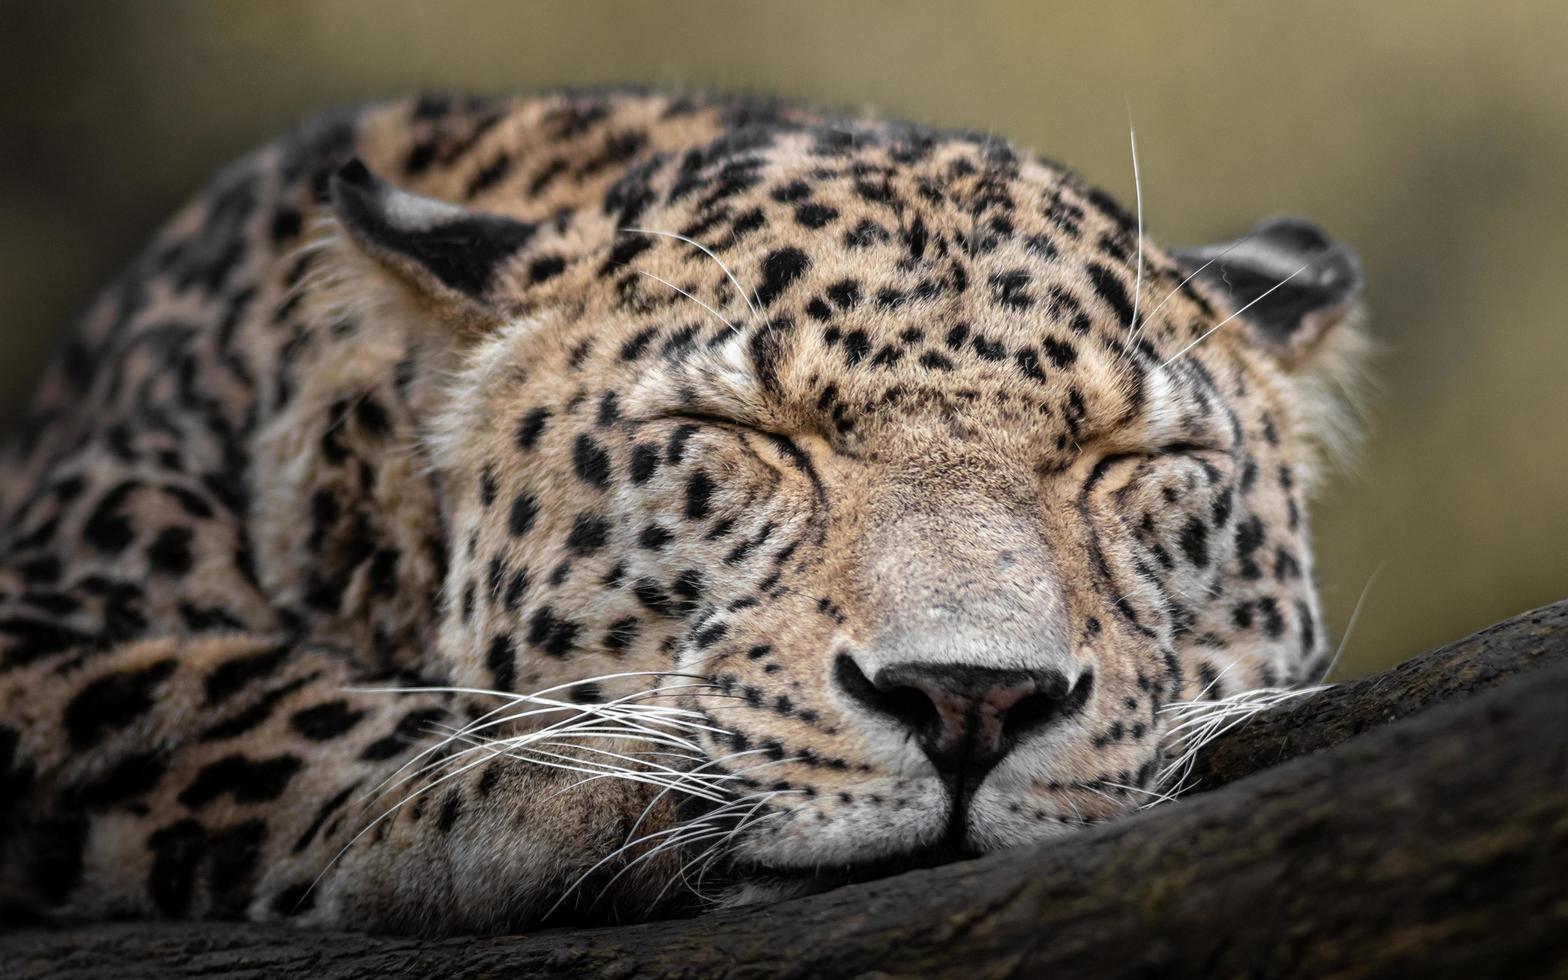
(807, 418)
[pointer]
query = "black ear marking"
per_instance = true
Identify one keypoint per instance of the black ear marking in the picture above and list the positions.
(1297, 280)
(434, 244)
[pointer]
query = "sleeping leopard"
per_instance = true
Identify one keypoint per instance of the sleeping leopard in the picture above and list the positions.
(477, 513)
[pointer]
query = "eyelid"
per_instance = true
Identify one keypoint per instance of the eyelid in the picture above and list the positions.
(706, 418)
(1140, 456)
(1188, 449)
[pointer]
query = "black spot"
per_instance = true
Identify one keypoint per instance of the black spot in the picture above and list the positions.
(1011, 289)
(113, 702)
(286, 224)
(254, 714)
(107, 530)
(990, 350)
(325, 721)
(844, 293)
(654, 537)
(649, 593)
(621, 634)
(524, 509)
(1029, 363)
(170, 551)
(232, 676)
(231, 866)
(451, 807)
(813, 215)
(933, 360)
(865, 234)
(487, 780)
(410, 728)
(546, 267)
(1222, 507)
(609, 409)
(177, 853)
(419, 158)
(553, 635)
(1285, 566)
(1061, 353)
(373, 419)
(699, 494)
(530, 426)
(1308, 628)
(1249, 537)
(246, 780)
(711, 635)
(502, 661)
(779, 269)
(1195, 543)
(688, 586)
(856, 346)
(645, 459)
(1273, 622)
(591, 463)
(675, 450)
(589, 533)
(1110, 289)
(1241, 615)
(515, 588)
(381, 576)
(635, 345)
(795, 190)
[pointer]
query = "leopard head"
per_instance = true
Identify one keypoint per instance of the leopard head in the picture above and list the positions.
(897, 466)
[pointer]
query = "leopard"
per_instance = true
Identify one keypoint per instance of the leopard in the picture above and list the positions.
(478, 513)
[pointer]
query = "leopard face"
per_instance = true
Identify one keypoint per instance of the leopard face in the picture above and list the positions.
(897, 459)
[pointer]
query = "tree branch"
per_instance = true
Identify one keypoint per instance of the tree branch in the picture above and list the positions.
(1415, 823)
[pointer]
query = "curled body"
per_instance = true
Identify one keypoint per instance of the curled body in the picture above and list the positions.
(469, 513)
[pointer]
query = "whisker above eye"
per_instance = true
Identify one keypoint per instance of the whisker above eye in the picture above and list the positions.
(719, 316)
(1256, 300)
(709, 253)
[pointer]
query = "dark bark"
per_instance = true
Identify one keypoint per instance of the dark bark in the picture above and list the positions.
(1412, 824)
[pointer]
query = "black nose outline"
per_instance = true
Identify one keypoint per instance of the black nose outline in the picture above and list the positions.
(966, 718)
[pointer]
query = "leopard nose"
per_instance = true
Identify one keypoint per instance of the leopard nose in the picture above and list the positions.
(965, 718)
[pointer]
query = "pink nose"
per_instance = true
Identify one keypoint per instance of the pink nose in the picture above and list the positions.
(966, 718)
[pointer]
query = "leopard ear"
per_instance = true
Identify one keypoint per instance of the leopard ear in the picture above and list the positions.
(451, 257)
(1288, 279)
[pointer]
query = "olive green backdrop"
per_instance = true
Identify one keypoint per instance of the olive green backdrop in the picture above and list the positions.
(1432, 136)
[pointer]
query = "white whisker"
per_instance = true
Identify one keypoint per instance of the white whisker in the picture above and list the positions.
(689, 296)
(709, 253)
(1350, 625)
(1137, 186)
(1195, 273)
(1260, 298)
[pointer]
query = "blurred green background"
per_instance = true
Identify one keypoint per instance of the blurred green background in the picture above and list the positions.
(1431, 136)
